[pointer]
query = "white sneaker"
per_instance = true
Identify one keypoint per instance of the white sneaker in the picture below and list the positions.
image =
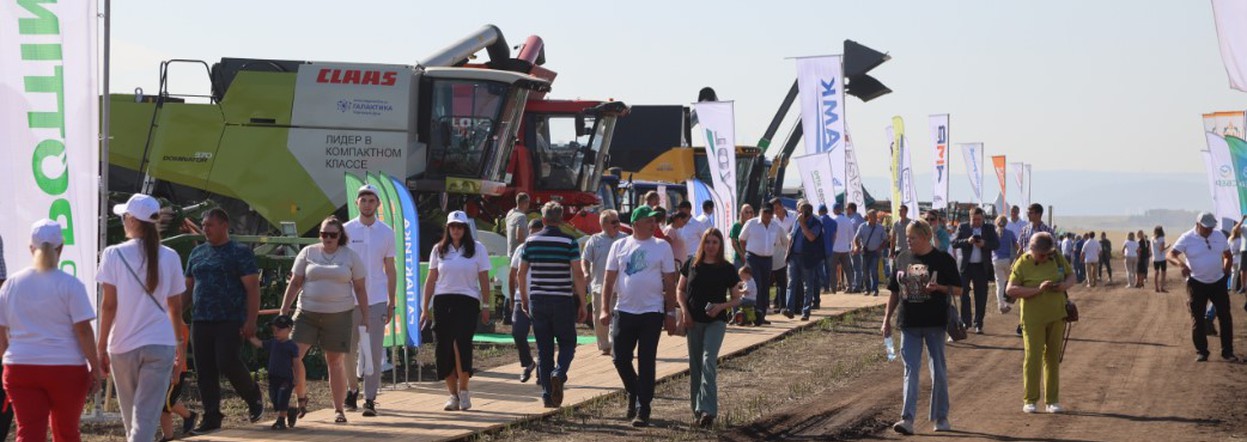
(904, 427)
(943, 425)
(452, 404)
(1029, 408)
(465, 400)
(1055, 408)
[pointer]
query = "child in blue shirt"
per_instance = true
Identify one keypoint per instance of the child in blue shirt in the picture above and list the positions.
(282, 353)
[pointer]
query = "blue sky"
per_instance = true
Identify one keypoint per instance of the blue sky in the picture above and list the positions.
(1074, 86)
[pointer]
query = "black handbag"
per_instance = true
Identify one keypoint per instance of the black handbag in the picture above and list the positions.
(956, 329)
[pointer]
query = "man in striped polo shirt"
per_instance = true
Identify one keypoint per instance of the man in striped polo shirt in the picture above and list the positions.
(552, 290)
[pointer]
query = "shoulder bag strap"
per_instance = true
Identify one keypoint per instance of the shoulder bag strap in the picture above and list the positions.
(140, 281)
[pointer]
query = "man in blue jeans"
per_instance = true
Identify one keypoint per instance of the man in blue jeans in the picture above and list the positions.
(855, 257)
(521, 324)
(758, 237)
(641, 271)
(552, 288)
(805, 261)
(870, 240)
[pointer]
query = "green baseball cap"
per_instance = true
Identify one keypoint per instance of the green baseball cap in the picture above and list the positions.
(642, 212)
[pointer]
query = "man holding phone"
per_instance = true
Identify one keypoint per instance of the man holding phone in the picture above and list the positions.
(976, 241)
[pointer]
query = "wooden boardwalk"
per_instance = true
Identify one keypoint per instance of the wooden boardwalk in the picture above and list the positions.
(499, 399)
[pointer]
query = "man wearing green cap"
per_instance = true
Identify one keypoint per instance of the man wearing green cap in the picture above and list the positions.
(640, 270)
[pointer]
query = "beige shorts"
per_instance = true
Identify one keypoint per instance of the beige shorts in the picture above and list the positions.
(330, 331)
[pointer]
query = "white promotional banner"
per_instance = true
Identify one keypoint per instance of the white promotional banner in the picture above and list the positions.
(1231, 21)
(718, 125)
(816, 178)
(1026, 187)
(821, 86)
(1224, 180)
(973, 153)
(1018, 170)
(854, 193)
(939, 139)
(909, 193)
(49, 121)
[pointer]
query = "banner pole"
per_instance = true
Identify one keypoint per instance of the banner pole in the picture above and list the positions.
(103, 181)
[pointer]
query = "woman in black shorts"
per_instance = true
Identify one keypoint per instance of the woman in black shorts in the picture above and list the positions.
(1159, 262)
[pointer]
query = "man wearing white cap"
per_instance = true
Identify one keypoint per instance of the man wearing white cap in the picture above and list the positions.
(373, 240)
(139, 311)
(1203, 255)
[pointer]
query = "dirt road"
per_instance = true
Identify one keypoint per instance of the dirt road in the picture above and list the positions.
(1129, 375)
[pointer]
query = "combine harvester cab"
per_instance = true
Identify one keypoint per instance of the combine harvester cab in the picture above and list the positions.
(275, 137)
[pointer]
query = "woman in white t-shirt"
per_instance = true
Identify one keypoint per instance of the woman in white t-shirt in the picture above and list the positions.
(331, 278)
(47, 342)
(1130, 249)
(140, 310)
(458, 276)
(1159, 262)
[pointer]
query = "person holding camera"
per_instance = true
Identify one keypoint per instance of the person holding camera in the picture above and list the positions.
(976, 241)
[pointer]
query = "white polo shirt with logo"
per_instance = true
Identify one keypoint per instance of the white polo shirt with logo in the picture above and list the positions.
(1203, 255)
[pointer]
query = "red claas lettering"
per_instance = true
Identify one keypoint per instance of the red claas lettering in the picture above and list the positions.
(356, 76)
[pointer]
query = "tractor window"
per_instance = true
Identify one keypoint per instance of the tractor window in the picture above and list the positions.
(744, 165)
(607, 193)
(465, 118)
(560, 152)
(598, 146)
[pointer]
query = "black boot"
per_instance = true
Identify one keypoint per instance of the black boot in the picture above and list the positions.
(211, 422)
(352, 400)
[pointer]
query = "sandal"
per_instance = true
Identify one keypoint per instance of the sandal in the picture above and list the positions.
(302, 407)
(339, 417)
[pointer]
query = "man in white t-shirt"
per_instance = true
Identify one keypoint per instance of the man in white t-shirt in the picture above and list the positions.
(1203, 255)
(1016, 223)
(702, 223)
(373, 240)
(517, 222)
(638, 296)
(758, 237)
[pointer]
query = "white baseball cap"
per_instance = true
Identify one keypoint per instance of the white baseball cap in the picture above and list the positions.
(367, 188)
(46, 231)
(457, 216)
(1208, 220)
(142, 207)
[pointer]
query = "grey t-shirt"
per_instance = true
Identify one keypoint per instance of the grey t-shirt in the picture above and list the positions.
(517, 229)
(899, 244)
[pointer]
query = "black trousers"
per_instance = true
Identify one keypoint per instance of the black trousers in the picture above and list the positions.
(279, 390)
(638, 333)
(975, 275)
(1198, 296)
(217, 346)
(454, 324)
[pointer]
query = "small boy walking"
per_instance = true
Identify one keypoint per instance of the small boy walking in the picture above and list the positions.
(282, 353)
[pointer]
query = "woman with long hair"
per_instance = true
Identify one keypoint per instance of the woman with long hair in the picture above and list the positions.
(140, 313)
(1040, 278)
(703, 294)
(50, 361)
(328, 280)
(458, 278)
(1159, 263)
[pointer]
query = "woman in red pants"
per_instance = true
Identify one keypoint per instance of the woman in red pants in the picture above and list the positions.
(50, 362)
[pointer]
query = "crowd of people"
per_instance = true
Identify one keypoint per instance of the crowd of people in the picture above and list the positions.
(670, 273)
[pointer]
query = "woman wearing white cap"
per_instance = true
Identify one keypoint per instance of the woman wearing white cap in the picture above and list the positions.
(47, 342)
(326, 274)
(458, 275)
(140, 310)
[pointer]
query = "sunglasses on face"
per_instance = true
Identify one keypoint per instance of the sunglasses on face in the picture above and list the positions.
(612, 221)
(329, 235)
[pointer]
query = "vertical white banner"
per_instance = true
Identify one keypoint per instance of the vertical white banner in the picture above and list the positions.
(718, 126)
(816, 178)
(49, 121)
(854, 193)
(1026, 186)
(1230, 17)
(1018, 171)
(1224, 180)
(939, 139)
(821, 87)
(973, 154)
(909, 194)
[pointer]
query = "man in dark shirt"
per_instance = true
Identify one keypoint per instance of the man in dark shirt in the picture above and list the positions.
(922, 286)
(806, 254)
(223, 286)
(1106, 256)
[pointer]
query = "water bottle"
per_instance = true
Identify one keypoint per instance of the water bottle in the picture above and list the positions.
(887, 344)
